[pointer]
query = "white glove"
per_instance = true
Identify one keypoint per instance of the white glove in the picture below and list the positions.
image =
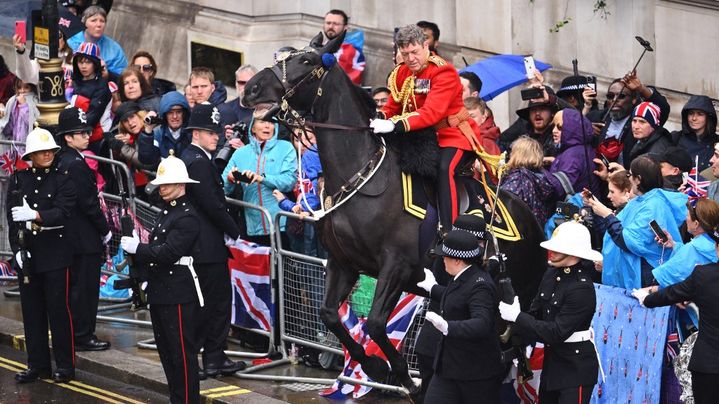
(496, 258)
(510, 312)
(18, 259)
(107, 237)
(438, 322)
(130, 244)
(640, 294)
(382, 125)
(23, 213)
(229, 241)
(428, 281)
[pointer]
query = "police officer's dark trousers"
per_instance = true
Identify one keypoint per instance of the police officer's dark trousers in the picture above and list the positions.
(84, 294)
(175, 329)
(47, 297)
(448, 391)
(705, 388)
(215, 322)
(573, 395)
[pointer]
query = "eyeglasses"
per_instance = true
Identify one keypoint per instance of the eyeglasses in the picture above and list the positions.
(83, 134)
(620, 96)
(144, 68)
(241, 82)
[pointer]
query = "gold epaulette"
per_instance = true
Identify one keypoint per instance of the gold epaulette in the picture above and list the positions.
(437, 60)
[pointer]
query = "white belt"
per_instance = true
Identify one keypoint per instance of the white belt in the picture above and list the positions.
(187, 261)
(587, 335)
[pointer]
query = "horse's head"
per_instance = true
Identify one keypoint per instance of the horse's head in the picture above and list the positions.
(294, 76)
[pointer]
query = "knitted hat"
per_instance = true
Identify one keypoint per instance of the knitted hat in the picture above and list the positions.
(89, 49)
(649, 112)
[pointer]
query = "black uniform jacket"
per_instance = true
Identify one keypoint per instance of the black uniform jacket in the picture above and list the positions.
(175, 235)
(52, 195)
(208, 197)
(87, 225)
(564, 304)
(470, 350)
(702, 288)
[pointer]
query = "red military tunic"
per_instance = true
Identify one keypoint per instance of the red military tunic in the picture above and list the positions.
(427, 99)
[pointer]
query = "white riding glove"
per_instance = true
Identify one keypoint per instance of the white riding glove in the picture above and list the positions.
(229, 241)
(640, 294)
(382, 125)
(130, 244)
(510, 312)
(107, 237)
(18, 259)
(438, 322)
(428, 282)
(23, 213)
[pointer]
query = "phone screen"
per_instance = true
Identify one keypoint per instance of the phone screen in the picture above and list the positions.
(21, 30)
(529, 66)
(658, 230)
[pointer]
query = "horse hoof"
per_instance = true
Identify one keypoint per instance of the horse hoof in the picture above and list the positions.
(376, 368)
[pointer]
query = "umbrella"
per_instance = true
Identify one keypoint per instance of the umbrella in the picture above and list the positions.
(500, 73)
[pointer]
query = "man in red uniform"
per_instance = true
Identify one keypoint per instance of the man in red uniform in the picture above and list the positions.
(426, 92)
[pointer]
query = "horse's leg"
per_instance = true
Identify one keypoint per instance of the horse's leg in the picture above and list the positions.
(393, 276)
(338, 285)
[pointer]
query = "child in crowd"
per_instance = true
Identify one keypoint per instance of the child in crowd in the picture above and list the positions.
(90, 90)
(309, 182)
(20, 113)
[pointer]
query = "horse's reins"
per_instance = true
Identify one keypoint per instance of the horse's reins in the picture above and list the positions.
(361, 177)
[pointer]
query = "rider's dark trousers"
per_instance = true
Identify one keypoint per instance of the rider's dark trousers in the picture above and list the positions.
(450, 160)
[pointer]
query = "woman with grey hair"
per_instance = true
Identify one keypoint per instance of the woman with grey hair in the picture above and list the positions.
(94, 19)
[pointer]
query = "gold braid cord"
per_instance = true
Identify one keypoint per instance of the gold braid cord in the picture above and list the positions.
(405, 94)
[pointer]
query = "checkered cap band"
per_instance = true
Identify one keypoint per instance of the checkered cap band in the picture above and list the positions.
(461, 254)
(478, 234)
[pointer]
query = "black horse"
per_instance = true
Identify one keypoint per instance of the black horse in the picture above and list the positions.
(369, 233)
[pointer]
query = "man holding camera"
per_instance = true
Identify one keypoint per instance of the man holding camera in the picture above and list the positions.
(156, 141)
(216, 226)
(87, 228)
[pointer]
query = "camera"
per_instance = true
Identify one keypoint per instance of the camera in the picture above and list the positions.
(153, 120)
(239, 131)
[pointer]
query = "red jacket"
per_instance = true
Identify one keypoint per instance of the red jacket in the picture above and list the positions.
(423, 100)
(489, 134)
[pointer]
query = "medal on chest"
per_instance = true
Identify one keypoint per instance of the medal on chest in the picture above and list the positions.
(421, 86)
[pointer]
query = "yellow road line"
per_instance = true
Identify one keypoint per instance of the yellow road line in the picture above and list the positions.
(106, 392)
(218, 389)
(229, 393)
(89, 393)
(73, 385)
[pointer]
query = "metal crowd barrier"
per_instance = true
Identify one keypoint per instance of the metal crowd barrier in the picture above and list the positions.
(301, 282)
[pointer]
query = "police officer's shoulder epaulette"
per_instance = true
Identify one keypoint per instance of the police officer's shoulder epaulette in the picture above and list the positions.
(437, 60)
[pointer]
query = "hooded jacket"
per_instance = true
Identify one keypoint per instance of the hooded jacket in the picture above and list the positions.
(95, 90)
(153, 148)
(633, 244)
(700, 250)
(276, 161)
(701, 146)
(530, 186)
(110, 51)
(489, 135)
(575, 155)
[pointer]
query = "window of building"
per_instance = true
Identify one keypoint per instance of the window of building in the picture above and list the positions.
(223, 62)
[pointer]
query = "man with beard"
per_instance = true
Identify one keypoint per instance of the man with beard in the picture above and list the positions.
(536, 122)
(616, 139)
(349, 58)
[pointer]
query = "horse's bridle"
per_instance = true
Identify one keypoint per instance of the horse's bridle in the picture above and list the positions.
(289, 117)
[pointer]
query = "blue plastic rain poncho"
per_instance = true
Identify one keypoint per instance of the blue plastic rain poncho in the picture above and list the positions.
(623, 268)
(701, 250)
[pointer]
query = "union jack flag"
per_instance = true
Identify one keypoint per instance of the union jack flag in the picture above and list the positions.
(695, 186)
(12, 162)
(399, 322)
(252, 305)
(350, 56)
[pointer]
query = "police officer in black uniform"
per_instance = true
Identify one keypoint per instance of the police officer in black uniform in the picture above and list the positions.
(560, 317)
(216, 227)
(87, 228)
(426, 346)
(173, 289)
(43, 199)
(467, 365)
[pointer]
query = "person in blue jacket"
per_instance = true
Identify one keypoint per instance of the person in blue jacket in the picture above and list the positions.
(265, 164)
(94, 19)
(155, 142)
(630, 250)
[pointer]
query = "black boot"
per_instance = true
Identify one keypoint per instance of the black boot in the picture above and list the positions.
(30, 375)
(63, 375)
